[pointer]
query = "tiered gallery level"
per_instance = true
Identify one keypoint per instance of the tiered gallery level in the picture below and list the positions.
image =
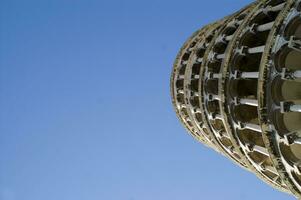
(236, 87)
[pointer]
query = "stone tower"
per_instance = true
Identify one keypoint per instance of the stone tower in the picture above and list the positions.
(236, 87)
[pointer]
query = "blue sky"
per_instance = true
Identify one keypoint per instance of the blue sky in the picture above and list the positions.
(85, 107)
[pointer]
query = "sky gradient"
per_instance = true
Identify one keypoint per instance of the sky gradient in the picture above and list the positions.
(86, 112)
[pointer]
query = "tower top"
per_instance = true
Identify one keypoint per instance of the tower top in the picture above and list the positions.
(236, 87)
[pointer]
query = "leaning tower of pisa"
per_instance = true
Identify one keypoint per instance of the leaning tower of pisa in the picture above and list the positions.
(236, 87)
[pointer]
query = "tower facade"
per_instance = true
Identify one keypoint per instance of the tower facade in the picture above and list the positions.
(236, 87)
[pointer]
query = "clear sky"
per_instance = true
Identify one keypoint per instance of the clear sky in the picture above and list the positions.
(86, 112)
